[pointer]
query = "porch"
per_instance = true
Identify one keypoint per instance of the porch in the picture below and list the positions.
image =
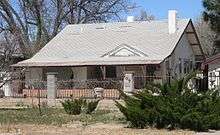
(77, 88)
(85, 74)
(80, 82)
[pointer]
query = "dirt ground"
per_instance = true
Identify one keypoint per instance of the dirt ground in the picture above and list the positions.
(79, 129)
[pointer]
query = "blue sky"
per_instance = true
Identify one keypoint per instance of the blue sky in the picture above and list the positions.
(186, 8)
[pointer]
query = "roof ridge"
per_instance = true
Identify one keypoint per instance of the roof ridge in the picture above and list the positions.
(124, 22)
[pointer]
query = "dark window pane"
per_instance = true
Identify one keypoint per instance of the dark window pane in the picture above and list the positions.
(110, 71)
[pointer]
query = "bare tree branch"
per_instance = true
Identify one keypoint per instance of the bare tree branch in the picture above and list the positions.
(35, 22)
(206, 36)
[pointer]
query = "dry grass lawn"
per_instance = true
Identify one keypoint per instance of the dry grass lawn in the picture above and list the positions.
(57, 122)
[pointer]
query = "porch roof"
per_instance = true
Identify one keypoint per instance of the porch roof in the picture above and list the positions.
(88, 62)
(213, 62)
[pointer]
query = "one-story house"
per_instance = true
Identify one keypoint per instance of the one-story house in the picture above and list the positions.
(163, 49)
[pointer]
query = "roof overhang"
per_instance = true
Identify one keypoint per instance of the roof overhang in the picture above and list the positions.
(194, 42)
(212, 60)
(104, 61)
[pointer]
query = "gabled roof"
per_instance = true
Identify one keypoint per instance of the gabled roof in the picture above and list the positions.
(88, 44)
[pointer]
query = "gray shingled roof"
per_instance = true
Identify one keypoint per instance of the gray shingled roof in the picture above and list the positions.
(86, 44)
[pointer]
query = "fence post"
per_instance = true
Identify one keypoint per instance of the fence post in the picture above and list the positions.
(51, 88)
(128, 82)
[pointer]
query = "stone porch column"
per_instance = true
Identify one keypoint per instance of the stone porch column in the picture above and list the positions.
(51, 88)
(128, 82)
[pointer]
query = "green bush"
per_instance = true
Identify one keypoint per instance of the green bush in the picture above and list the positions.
(77, 106)
(91, 106)
(73, 107)
(193, 121)
(174, 107)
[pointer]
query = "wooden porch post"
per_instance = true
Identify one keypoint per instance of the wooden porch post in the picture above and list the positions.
(103, 69)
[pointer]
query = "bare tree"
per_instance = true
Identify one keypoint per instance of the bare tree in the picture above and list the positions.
(206, 35)
(32, 23)
(9, 54)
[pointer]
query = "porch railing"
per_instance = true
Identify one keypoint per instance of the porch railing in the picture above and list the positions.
(85, 88)
(67, 88)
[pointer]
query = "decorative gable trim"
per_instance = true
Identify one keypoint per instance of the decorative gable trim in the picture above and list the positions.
(124, 51)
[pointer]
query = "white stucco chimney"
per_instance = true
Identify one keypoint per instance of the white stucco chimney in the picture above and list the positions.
(130, 19)
(172, 21)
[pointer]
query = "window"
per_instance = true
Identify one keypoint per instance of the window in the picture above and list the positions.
(151, 70)
(168, 71)
(168, 65)
(111, 72)
(191, 65)
(188, 66)
(219, 79)
(180, 65)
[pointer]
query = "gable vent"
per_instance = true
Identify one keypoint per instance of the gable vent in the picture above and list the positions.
(102, 27)
(124, 51)
(125, 26)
